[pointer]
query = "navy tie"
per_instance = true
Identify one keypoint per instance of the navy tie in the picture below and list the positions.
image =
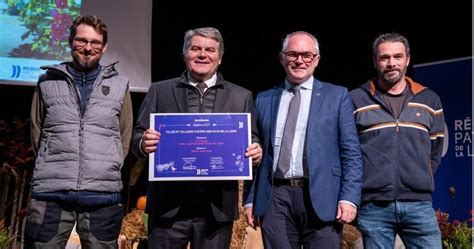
(288, 134)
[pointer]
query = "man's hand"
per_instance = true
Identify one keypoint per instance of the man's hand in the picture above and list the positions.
(150, 139)
(251, 220)
(346, 213)
(254, 151)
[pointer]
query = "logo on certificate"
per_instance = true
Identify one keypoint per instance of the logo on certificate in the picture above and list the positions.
(202, 172)
(188, 163)
(165, 167)
(216, 162)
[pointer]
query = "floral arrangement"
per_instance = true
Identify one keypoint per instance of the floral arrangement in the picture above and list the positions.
(47, 22)
(134, 227)
(455, 234)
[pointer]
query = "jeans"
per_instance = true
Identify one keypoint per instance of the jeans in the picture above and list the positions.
(414, 221)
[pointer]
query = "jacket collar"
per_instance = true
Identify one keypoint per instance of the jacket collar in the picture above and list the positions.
(183, 84)
(106, 71)
(415, 87)
(184, 79)
(285, 85)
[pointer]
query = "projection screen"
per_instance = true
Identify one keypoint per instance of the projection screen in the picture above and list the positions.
(34, 33)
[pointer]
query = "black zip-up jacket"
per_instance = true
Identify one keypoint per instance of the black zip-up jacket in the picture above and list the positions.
(400, 155)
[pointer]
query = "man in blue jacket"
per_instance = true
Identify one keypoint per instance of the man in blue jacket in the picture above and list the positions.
(400, 125)
(309, 181)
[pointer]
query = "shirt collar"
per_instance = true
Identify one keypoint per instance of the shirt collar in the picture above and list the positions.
(307, 85)
(210, 82)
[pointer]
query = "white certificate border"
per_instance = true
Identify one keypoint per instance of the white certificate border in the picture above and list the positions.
(151, 158)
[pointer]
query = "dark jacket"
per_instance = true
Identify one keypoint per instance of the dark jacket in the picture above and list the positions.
(400, 155)
(194, 198)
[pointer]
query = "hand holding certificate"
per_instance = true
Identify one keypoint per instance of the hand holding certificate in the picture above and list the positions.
(201, 146)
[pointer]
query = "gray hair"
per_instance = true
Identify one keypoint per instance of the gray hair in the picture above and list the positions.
(390, 37)
(208, 32)
(288, 36)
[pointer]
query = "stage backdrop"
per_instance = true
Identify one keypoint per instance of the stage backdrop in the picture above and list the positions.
(452, 80)
(129, 23)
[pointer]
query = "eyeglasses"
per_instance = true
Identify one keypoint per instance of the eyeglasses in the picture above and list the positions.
(81, 42)
(307, 57)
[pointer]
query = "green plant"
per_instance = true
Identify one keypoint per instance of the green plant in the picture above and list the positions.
(461, 238)
(4, 239)
(145, 222)
(47, 22)
(456, 234)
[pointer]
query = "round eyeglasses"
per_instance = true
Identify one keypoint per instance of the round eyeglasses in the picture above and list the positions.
(82, 42)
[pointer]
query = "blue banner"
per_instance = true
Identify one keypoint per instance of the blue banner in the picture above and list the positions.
(452, 81)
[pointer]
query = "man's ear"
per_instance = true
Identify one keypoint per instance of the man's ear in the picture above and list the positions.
(104, 48)
(282, 59)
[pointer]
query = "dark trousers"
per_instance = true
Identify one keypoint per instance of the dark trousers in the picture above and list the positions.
(200, 232)
(49, 225)
(290, 222)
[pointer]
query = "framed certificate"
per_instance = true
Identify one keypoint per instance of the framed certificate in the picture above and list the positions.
(201, 146)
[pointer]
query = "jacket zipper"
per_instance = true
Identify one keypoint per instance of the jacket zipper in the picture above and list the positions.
(81, 127)
(396, 175)
(397, 131)
(80, 133)
(201, 98)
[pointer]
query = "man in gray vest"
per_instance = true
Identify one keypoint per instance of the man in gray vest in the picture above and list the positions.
(199, 212)
(81, 122)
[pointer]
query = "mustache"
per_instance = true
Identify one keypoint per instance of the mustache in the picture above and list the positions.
(391, 70)
(87, 53)
(84, 51)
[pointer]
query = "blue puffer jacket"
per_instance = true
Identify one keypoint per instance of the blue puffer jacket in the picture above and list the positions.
(400, 155)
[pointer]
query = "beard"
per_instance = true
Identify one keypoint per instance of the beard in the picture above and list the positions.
(392, 80)
(86, 61)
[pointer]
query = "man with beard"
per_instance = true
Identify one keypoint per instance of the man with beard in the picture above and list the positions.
(400, 125)
(81, 122)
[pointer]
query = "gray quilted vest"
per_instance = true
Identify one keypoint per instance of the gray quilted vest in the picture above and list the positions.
(80, 151)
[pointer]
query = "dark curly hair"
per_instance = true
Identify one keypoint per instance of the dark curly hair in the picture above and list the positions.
(89, 20)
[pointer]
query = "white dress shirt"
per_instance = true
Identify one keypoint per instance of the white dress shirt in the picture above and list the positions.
(296, 165)
(210, 82)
